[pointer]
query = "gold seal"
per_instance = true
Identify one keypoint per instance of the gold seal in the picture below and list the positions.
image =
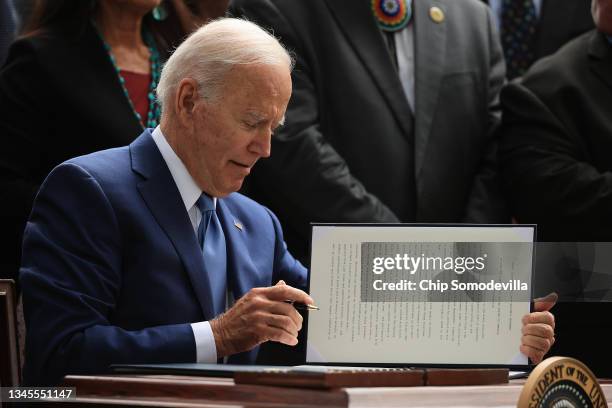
(563, 382)
(436, 14)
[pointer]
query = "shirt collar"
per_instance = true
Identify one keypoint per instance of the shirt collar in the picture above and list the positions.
(187, 187)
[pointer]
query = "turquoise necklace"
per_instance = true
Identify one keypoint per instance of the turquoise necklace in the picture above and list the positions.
(154, 110)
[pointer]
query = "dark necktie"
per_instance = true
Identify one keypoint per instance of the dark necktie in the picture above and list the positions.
(212, 241)
(518, 25)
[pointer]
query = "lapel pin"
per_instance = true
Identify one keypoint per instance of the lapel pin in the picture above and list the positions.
(238, 225)
(436, 14)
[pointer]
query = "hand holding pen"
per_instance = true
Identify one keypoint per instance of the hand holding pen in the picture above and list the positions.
(301, 306)
(260, 315)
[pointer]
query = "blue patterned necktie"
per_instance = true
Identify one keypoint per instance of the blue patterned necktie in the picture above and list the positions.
(518, 26)
(212, 241)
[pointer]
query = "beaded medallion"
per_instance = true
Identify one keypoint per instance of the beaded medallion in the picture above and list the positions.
(392, 15)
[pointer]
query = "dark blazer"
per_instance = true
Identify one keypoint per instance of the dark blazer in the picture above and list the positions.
(557, 142)
(555, 159)
(112, 269)
(59, 98)
(350, 149)
(560, 21)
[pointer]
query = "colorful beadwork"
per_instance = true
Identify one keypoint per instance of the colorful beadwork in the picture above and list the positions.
(154, 111)
(392, 15)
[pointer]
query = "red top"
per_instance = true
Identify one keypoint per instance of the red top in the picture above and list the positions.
(137, 86)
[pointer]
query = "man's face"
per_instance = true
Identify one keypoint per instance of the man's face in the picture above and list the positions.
(602, 15)
(233, 131)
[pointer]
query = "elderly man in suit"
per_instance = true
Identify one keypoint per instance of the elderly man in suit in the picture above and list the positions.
(113, 268)
(131, 253)
(555, 159)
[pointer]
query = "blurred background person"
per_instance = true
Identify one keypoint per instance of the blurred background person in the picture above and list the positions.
(80, 67)
(391, 117)
(556, 144)
(532, 29)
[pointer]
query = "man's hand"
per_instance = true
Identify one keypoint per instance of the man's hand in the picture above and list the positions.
(539, 329)
(260, 315)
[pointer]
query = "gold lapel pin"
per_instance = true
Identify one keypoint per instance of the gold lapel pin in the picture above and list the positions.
(238, 225)
(436, 14)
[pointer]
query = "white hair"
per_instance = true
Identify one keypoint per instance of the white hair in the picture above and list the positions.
(212, 50)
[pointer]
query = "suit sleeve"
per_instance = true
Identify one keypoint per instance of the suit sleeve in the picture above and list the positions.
(71, 279)
(486, 203)
(545, 169)
(312, 177)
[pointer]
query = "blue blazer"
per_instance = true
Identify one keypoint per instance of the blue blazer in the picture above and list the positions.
(112, 271)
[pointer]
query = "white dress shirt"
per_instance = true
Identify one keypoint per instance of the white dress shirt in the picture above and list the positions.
(404, 48)
(206, 351)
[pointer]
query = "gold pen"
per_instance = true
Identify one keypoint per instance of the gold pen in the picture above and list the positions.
(301, 306)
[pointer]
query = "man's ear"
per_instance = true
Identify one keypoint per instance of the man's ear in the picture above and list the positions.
(186, 99)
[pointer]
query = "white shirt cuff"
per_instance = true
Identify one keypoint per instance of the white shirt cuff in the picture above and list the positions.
(206, 351)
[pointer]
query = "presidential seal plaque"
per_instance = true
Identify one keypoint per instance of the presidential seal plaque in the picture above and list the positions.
(562, 382)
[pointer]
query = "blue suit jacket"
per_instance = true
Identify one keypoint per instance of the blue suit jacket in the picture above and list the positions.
(112, 271)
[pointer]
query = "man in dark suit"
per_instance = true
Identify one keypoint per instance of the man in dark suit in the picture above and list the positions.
(555, 156)
(130, 252)
(383, 126)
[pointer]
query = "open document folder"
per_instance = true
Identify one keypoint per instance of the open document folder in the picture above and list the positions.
(419, 294)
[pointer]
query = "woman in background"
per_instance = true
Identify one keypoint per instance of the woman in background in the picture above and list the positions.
(81, 78)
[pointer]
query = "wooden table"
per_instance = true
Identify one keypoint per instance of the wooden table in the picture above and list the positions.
(186, 391)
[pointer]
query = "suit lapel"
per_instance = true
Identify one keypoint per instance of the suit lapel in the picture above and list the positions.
(242, 273)
(161, 195)
(600, 57)
(355, 19)
(430, 53)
